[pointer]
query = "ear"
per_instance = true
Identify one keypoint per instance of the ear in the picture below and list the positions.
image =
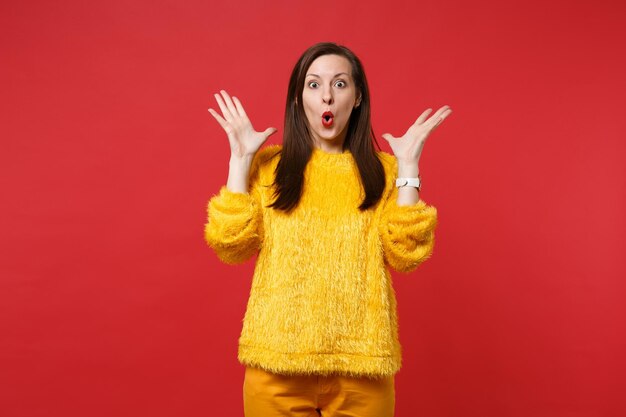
(357, 102)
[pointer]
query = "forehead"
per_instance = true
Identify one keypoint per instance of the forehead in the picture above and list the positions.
(329, 66)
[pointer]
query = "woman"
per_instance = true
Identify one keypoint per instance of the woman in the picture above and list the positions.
(327, 214)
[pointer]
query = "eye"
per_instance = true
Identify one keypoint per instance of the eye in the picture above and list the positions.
(312, 82)
(343, 84)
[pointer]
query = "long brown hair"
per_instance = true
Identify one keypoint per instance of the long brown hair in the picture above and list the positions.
(298, 143)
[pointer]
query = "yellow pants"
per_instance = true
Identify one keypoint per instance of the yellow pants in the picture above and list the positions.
(267, 394)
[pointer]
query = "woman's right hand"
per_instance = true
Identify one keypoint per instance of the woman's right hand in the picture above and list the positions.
(244, 140)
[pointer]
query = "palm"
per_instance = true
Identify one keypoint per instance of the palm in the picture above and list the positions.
(244, 140)
(409, 147)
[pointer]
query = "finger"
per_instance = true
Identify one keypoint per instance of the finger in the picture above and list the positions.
(225, 125)
(422, 117)
(387, 136)
(269, 132)
(223, 107)
(437, 117)
(239, 107)
(441, 111)
(442, 117)
(229, 103)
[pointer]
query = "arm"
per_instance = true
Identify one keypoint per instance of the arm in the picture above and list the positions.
(235, 218)
(406, 230)
(408, 149)
(407, 223)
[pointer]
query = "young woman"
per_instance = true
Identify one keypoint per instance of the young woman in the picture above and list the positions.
(328, 215)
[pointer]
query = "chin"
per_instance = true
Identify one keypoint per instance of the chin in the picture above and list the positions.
(330, 135)
(329, 138)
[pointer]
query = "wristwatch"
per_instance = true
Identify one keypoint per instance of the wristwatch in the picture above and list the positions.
(409, 182)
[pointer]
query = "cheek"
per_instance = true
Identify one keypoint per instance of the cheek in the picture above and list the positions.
(309, 115)
(346, 113)
(348, 106)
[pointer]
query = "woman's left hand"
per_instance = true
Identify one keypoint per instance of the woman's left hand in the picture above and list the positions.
(408, 148)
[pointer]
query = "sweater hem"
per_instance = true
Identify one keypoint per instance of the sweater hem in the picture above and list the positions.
(324, 364)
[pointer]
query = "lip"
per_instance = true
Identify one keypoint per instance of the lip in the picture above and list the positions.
(328, 122)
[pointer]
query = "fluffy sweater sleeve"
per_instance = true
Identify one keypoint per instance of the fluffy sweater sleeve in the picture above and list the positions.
(407, 233)
(234, 227)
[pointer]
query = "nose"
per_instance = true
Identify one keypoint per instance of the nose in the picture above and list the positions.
(327, 96)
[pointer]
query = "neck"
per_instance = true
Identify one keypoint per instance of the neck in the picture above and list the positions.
(331, 145)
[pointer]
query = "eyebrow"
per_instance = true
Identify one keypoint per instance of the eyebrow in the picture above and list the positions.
(336, 75)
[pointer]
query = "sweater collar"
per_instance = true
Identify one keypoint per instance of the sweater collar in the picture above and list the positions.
(338, 160)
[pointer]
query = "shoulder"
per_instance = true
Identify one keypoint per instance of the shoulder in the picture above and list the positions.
(268, 152)
(389, 161)
(266, 155)
(265, 161)
(390, 166)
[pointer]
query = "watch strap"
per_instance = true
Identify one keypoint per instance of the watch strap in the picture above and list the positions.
(409, 182)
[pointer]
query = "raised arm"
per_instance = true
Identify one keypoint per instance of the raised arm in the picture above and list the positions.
(408, 150)
(234, 227)
(407, 223)
(407, 232)
(243, 139)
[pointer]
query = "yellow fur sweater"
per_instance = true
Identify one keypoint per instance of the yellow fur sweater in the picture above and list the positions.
(321, 300)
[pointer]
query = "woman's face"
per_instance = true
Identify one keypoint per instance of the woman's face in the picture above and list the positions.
(329, 87)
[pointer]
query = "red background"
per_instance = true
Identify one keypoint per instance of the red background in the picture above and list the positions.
(111, 304)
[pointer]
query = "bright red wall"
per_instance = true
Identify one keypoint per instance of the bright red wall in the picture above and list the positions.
(111, 304)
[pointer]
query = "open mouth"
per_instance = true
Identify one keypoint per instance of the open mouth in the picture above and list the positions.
(327, 118)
